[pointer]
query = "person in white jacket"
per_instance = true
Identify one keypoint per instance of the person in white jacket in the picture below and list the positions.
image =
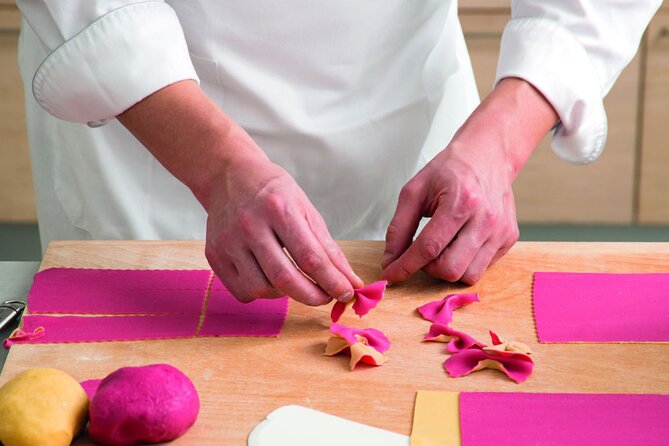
(286, 125)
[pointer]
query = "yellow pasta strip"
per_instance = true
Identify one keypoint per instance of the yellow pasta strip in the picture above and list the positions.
(436, 419)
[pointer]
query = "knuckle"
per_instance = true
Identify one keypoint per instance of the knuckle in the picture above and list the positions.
(402, 273)
(281, 277)
(310, 261)
(470, 199)
(450, 272)
(392, 232)
(333, 287)
(408, 192)
(275, 204)
(490, 218)
(430, 249)
(315, 300)
(470, 278)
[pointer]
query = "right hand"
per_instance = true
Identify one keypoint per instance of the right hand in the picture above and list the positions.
(256, 209)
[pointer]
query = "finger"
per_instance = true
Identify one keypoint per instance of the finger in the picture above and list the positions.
(227, 273)
(503, 250)
(404, 223)
(429, 244)
(252, 279)
(332, 249)
(309, 255)
(282, 273)
(484, 258)
(453, 261)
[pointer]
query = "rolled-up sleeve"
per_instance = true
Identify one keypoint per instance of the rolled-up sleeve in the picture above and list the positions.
(572, 51)
(104, 56)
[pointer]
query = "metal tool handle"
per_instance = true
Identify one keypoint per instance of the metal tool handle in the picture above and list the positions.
(10, 310)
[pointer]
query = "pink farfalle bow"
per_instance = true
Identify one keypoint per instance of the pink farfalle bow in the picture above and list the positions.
(441, 311)
(456, 340)
(364, 299)
(511, 358)
(365, 345)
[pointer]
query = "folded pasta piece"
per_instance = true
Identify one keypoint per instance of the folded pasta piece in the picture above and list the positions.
(456, 340)
(365, 345)
(441, 311)
(511, 358)
(364, 299)
(19, 335)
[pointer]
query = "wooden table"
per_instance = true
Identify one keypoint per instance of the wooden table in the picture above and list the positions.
(240, 380)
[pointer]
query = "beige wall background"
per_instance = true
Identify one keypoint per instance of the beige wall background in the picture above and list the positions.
(629, 184)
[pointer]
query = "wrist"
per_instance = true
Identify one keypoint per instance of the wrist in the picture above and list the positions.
(508, 125)
(525, 115)
(191, 136)
(229, 150)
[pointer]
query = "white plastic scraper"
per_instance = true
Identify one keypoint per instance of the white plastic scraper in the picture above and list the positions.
(299, 426)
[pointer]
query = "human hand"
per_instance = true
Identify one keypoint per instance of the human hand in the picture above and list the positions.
(255, 210)
(466, 190)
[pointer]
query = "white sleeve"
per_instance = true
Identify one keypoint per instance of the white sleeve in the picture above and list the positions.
(104, 55)
(572, 51)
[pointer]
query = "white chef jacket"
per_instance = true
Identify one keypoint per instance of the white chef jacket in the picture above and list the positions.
(352, 98)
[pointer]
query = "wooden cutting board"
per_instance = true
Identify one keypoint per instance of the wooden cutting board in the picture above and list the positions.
(241, 380)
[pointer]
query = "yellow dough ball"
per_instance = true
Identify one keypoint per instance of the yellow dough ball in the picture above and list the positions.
(45, 407)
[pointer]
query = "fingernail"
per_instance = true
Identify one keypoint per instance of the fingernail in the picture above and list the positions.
(345, 297)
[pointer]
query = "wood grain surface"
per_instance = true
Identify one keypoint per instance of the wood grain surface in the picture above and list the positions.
(240, 380)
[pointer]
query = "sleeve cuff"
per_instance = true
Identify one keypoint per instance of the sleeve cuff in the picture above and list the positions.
(549, 57)
(115, 62)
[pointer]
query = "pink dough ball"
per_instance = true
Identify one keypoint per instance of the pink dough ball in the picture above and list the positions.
(149, 404)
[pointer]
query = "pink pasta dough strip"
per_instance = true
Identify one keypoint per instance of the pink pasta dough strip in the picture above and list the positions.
(363, 301)
(517, 419)
(109, 291)
(226, 316)
(594, 307)
(63, 329)
(456, 340)
(441, 311)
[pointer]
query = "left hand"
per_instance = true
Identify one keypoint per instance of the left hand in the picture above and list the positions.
(467, 191)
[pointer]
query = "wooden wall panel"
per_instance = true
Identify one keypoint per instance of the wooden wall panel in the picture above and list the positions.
(654, 171)
(549, 189)
(17, 199)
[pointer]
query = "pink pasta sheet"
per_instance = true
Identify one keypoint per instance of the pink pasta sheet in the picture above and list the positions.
(441, 311)
(109, 291)
(520, 419)
(226, 316)
(456, 340)
(63, 329)
(511, 358)
(364, 345)
(363, 301)
(587, 307)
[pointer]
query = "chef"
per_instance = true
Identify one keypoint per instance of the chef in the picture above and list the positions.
(273, 127)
